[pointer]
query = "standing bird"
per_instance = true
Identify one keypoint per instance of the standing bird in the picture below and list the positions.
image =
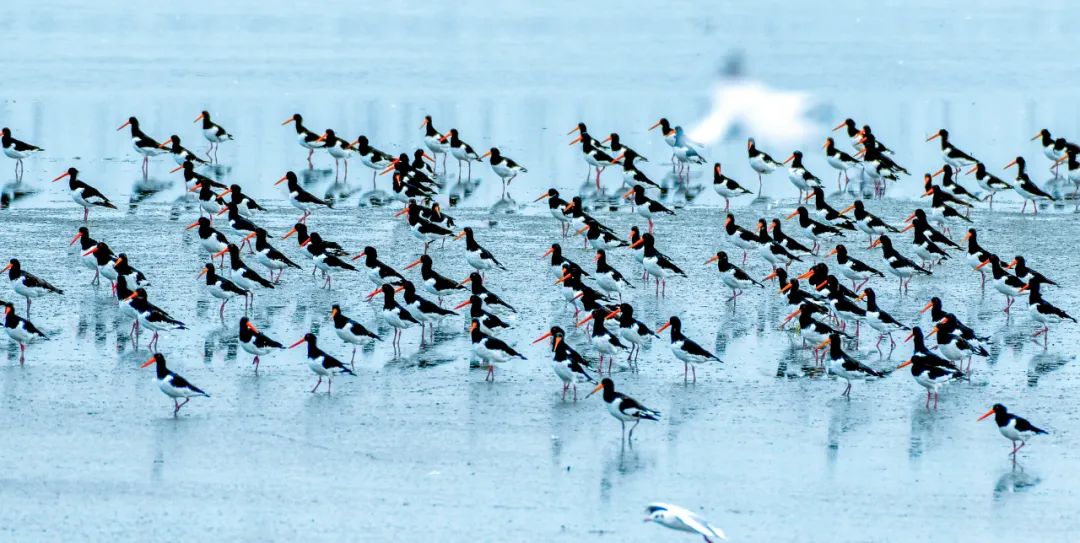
(210, 239)
(461, 151)
(632, 330)
(27, 284)
(243, 275)
(989, 182)
(321, 363)
(270, 257)
(645, 206)
(172, 384)
(350, 331)
(726, 186)
(686, 151)
(338, 148)
(221, 288)
(733, 276)
(255, 342)
(396, 315)
(432, 281)
(306, 138)
(930, 375)
(300, 198)
(1004, 282)
(899, 265)
(869, 223)
(683, 520)
(839, 160)
(569, 365)
(372, 158)
(21, 330)
(151, 317)
(1043, 311)
(84, 194)
(143, 144)
(377, 271)
(879, 319)
(180, 153)
(434, 141)
(478, 257)
(799, 175)
(213, 133)
(503, 166)
(595, 157)
(555, 207)
(1013, 427)
(488, 322)
(491, 350)
(325, 260)
(853, 268)
(843, 365)
(656, 263)
(690, 353)
(760, 161)
(605, 342)
(18, 150)
(950, 154)
(1027, 188)
(608, 278)
(427, 312)
(631, 174)
(624, 408)
(1025, 273)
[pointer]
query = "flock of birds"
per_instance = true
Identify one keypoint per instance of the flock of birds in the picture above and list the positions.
(824, 311)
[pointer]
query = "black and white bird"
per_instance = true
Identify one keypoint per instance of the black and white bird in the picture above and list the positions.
(839, 160)
(423, 229)
(683, 520)
(726, 186)
(83, 194)
(606, 342)
(732, 276)
(393, 313)
(568, 364)
(22, 331)
(432, 281)
(300, 198)
(867, 222)
(624, 408)
(646, 207)
(1026, 274)
(221, 288)
(1015, 428)
(478, 257)
(306, 138)
(143, 144)
(372, 158)
(255, 342)
(844, 365)
(656, 263)
(632, 330)
(270, 257)
(827, 212)
(378, 272)
(853, 268)
(180, 153)
(599, 237)
(321, 363)
(350, 331)
(503, 166)
(325, 260)
(879, 319)
(461, 151)
(898, 265)
(799, 175)
(989, 182)
(489, 322)
(608, 278)
(245, 204)
(1042, 311)
(491, 350)
(930, 375)
(27, 284)
(18, 150)
(172, 384)
(950, 153)
(427, 312)
(476, 285)
(1003, 281)
(555, 207)
(243, 275)
(210, 239)
(214, 133)
(434, 141)
(1027, 188)
(686, 350)
(760, 161)
(150, 317)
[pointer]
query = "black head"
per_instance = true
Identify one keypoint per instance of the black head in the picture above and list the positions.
(7, 132)
(84, 231)
(370, 252)
(494, 152)
(330, 135)
(174, 139)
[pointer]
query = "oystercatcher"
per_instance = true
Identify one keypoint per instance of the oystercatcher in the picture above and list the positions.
(490, 323)
(595, 157)
(503, 166)
(172, 384)
(478, 257)
(605, 342)
(599, 237)
(27, 284)
(827, 212)
(899, 265)
(1004, 282)
(1043, 311)
(377, 271)
(989, 182)
(350, 331)
(84, 194)
(396, 315)
(632, 330)
(491, 350)
(242, 274)
(434, 141)
(143, 144)
(690, 353)
(300, 198)
(608, 278)
(423, 310)
(1027, 188)
(844, 365)
(839, 160)
(190, 175)
(733, 276)
(879, 319)
(421, 228)
(953, 157)
(869, 223)
(624, 408)
(432, 281)
(320, 362)
(799, 175)
(180, 153)
(210, 239)
(371, 157)
(270, 257)
(930, 375)
(461, 151)
(242, 202)
(325, 260)
(1013, 427)
(646, 207)
(339, 149)
(726, 186)
(656, 263)
(678, 518)
(306, 138)
(213, 133)
(760, 161)
(151, 317)
(1025, 273)
(555, 207)
(569, 365)
(853, 268)
(21, 330)
(18, 150)
(255, 342)
(631, 174)
(221, 288)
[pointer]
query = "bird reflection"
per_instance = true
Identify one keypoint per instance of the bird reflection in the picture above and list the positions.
(1044, 363)
(1014, 481)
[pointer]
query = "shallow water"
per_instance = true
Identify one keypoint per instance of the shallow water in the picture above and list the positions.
(419, 447)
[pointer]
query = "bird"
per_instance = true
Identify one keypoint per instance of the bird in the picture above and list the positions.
(1027, 188)
(213, 133)
(930, 375)
(83, 194)
(844, 365)
(396, 315)
(568, 364)
(461, 151)
(950, 154)
(799, 175)
(371, 157)
(488, 322)
(555, 208)
(255, 342)
(1042, 311)
(143, 144)
(809, 328)
(320, 362)
(732, 276)
(21, 330)
(433, 282)
(423, 310)
(624, 408)
(827, 212)
(1003, 281)
(151, 317)
(726, 186)
(839, 160)
(690, 353)
(350, 331)
(172, 384)
(1013, 427)
(300, 198)
(270, 257)
(632, 330)
(17, 149)
(605, 341)
(211, 240)
(478, 257)
(377, 271)
(434, 141)
(221, 288)
(853, 268)
(617, 146)
(491, 349)
(899, 265)
(870, 224)
(879, 319)
(683, 520)
(243, 275)
(599, 238)
(190, 175)
(27, 284)
(687, 152)
(306, 138)
(476, 284)
(421, 228)
(656, 263)
(760, 161)
(503, 166)
(632, 175)
(1025, 273)
(595, 157)
(180, 153)
(338, 148)
(646, 207)
(325, 260)
(989, 182)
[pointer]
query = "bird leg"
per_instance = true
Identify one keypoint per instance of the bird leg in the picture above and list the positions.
(179, 405)
(317, 385)
(256, 362)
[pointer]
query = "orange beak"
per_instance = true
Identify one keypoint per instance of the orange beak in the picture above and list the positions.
(905, 364)
(568, 206)
(415, 263)
(89, 252)
(875, 243)
(357, 257)
(983, 263)
(486, 154)
(541, 197)
(934, 137)
(221, 252)
(839, 126)
(785, 288)
(1011, 264)
(546, 253)
(302, 340)
(1023, 288)
(466, 281)
(192, 225)
(613, 313)
(164, 145)
(665, 326)
(987, 414)
(61, 176)
(772, 275)
(806, 274)
(1011, 164)
(280, 181)
(202, 272)
(403, 211)
(469, 301)
(654, 125)
(374, 293)
(132, 296)
(618, 158)
(541, 338)
(574, 131)
(576, 140)
(973, 168)
(909, 226)
(305, 243)
(123, 126)
(74, 239)
(792, 215)
(821, 285)
(860, 296)
(909, 218)
(423, 124)
(287, 121)
(321, 138)
(249, 236)
(628, 193)
(636, 243)
(252, 328)
(939, 172)
(148, 362)
(823, 343)
(563, 278)
(176, 169)
(830, 253)
(848, 208)
(459, 236)
(793, 314)
(789, 159)
(808, 197)
(199, 118)
(711, 260)
(585, 320)
(289, 233)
